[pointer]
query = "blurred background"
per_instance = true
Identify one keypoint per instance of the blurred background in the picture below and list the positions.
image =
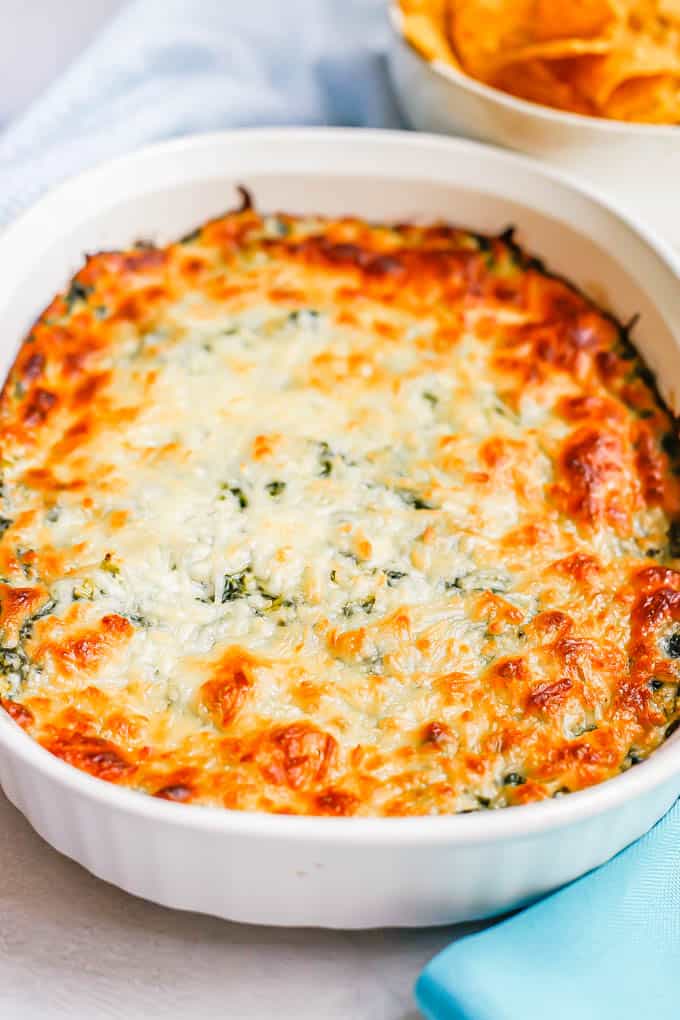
(38, 38)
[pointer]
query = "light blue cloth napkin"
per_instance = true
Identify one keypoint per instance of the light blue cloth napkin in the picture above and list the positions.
(170, 67)
(608, 947)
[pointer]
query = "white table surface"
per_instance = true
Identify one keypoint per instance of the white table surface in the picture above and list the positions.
(73, 947)
(37, 39)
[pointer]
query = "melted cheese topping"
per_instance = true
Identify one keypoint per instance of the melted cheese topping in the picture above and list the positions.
(322, 517)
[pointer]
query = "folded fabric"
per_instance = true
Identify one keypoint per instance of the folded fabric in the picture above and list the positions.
(169, 67)
(606, 947)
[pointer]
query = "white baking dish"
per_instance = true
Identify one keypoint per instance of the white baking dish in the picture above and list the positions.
(337, 872)
(638, 164)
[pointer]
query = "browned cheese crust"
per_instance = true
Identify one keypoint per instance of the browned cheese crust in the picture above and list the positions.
(323, 517)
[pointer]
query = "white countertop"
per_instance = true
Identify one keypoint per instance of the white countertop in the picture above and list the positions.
(73, 947)
(52, 35)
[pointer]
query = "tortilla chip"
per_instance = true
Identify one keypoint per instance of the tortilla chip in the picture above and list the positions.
(654, 100)
(434, 9)
(670, 10)
(487, 34)
(560, 49)
(643, 15)
(429, 37)
(540, 82)
(573, 19)
(633, 56)
(481, 30)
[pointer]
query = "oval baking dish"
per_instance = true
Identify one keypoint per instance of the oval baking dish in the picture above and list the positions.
(339, 872)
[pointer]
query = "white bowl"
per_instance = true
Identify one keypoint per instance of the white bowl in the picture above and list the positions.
(636, 164)
(337, 872)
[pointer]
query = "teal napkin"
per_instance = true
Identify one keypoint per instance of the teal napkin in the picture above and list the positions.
(607, 947)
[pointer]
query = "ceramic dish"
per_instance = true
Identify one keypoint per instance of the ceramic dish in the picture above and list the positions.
(637, 164)
(338, 872)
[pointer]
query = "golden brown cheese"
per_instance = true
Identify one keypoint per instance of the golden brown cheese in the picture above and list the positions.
(324, 517)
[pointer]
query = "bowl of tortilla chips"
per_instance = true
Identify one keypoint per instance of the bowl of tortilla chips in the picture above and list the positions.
(592, 86)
